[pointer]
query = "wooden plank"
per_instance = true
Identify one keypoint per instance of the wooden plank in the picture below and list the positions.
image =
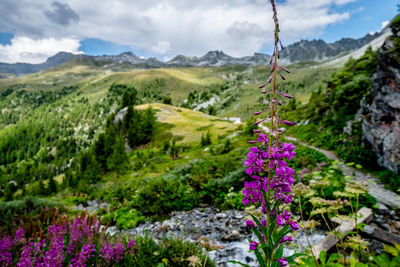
(381, 235)
(364, 215)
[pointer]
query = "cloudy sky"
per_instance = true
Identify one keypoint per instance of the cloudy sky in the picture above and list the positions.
(33, 30)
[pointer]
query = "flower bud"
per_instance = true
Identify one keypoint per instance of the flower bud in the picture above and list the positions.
(283, 262)
(253, 245)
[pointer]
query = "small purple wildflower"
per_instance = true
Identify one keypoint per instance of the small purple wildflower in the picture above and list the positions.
(253, 245)
(283, 262)
(250, 224)
(6, 245)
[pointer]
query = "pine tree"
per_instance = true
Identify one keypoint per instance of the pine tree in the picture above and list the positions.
(118, 161)
(147, 127)
(99, 151)
(227, 146)
(109, 140)
(52, 186)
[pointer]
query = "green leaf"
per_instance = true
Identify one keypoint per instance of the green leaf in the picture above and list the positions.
(333, 257)
(266, 249)
(284, 231)
(240, 263)
(279, 253)
(352, 262)
(322, 257)
(291, 258)
(258, 234)
(260, 258)
(255, 219)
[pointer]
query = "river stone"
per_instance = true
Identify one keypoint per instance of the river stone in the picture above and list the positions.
(221, 215)
(233, 236)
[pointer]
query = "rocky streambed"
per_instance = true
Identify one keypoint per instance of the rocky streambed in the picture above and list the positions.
(224, 232)
(225, 235)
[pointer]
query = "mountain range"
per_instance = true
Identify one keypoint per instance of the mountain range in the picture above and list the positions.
(304, 50)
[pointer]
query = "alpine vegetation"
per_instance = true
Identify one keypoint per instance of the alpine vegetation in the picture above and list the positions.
(271, 178)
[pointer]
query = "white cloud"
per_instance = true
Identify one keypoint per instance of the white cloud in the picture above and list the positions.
(25, 49)
(161, 48)
(238, 27)
(385, 23)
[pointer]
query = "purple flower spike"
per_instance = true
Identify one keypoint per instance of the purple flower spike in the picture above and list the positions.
(269, 181)
(283, 262)
(253, 245)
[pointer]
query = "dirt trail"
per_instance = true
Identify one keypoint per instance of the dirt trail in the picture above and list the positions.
(376, 189)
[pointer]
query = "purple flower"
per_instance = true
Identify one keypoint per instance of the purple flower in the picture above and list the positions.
(263, 223)
(6, 245)
(283, 262)
(131, 246)
(55, 255)
(85, 254)
(286, 215)
(263, 139)
(253, 245)
(286, 238)
(250, 224)
(19, 234)
(294, 225)
(280, 221)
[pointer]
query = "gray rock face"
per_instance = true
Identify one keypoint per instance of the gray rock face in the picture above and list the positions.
(219, 58)
(381, 117)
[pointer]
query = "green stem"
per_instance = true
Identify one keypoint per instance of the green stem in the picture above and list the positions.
(305, 233)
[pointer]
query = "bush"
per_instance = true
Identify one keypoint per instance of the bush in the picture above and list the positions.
(167, 252)
(390, 179)
(29, 206)
(307, 158)
(160, 196)
(215, 190)
(124, 218)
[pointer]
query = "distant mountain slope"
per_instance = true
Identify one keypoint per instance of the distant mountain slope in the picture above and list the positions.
(219, 58)
(375, 44)
(318, 50)
(315, 50)
(25, 68)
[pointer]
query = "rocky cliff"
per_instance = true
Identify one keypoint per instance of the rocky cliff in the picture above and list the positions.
(381, 111)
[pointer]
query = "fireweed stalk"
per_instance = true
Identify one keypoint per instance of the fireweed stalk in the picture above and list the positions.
(271, 178)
